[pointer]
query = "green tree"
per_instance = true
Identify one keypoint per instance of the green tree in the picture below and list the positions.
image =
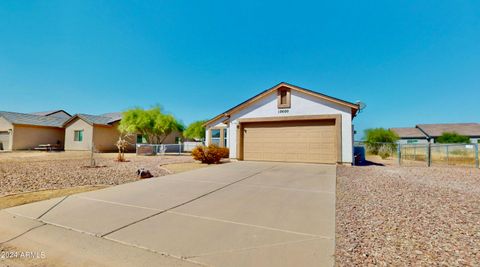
(452, 138)
(196, 130)
(380, 141)
(153, 124)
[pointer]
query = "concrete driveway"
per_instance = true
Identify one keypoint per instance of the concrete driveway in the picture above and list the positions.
(236, 214)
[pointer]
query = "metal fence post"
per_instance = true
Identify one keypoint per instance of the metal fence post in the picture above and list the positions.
(446, 147)
(476, 156)
(427, 155)
(399, 153)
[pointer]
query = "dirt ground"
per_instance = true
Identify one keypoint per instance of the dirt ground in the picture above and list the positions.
(32, 171)
(407, 216)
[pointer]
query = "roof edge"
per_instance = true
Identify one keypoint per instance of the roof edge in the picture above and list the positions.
(355, 107)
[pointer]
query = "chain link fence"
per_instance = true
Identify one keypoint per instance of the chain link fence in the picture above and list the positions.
(466, 155)
(166, 149)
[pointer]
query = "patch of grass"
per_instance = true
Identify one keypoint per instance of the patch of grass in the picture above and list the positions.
(184, 167)
(25, 198)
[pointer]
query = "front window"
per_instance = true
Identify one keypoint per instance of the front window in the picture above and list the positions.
(215, 137)
(225, 137)
(78, 136)
(141, 139)
(283, 98)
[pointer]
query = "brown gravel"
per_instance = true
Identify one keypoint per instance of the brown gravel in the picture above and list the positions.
(408, 216)
(32, 171)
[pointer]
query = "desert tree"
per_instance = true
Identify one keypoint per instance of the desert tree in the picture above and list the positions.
(153, 124)
(196, 130)
(380, 141)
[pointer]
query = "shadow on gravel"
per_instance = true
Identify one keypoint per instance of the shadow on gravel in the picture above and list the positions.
(368, 163)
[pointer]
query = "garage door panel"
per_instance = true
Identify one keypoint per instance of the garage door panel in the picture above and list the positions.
(301, 141)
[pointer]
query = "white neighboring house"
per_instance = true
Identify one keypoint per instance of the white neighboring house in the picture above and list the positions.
(428, 133)
(287, 123)
(410, 136)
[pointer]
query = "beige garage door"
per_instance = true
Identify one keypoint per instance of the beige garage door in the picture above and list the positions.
(4, 140)
(293, 141)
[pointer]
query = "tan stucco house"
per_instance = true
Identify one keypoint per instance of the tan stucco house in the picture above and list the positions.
(21, 131)
(84, 130)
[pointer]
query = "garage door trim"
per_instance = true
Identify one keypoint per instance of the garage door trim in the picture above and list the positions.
(336, 117)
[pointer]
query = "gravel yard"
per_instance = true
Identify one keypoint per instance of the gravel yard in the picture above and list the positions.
(409, 216)
(32, 171)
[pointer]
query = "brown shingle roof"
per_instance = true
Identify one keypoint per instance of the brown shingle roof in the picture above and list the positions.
(30, 119)
(50, 112)
(408, 132)
(105, 119)
(435, 130)
(355, 106)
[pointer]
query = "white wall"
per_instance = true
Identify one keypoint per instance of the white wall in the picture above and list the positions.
(301, 104)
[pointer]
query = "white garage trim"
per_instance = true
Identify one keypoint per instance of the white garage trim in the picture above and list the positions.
(335, 117)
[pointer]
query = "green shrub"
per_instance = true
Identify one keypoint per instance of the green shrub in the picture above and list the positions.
(386, 150)
(195, 130)
(380, 140)
(452, 138)
(209, 155)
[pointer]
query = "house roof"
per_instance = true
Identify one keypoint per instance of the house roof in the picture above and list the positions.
(31, 119)
(409, 132)
(50, 112)
(435, 130)
(105, 119)
(355, 107)
(115, 116)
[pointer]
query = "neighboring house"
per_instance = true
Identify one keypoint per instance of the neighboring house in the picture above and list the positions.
(432, 131)
(425, 133)
(84, 130)
(410, 136)
(287, 123)
(20, 131)
(54, 113)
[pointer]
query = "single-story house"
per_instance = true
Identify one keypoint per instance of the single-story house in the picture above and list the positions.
(20, 131)
(427, 133)
(410, 135)
(287, 123)
(84, 130)
(432, 131)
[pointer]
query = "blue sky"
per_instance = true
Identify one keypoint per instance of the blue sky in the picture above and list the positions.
(409, 61)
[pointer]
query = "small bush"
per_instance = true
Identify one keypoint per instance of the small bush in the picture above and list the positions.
(209, 155)
(380, 138)
(385, 151)
(225, 152)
